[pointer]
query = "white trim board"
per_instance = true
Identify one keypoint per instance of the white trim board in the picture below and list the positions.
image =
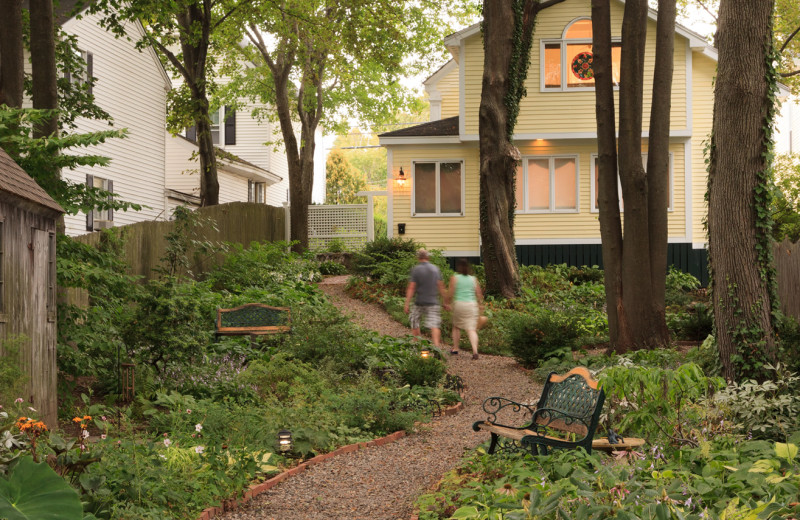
(582, 241)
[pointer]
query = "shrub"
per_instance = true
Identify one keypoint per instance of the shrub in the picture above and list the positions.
(695, 325)
(537, 337)
(418, 371)
(679, 286)
(329, 267)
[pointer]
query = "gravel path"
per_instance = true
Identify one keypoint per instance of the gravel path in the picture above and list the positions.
(381, 483)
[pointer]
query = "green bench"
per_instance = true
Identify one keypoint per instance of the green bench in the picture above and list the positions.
(254, 319)
(565, 417)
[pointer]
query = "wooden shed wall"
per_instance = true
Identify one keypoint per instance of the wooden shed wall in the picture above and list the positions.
(27, 311)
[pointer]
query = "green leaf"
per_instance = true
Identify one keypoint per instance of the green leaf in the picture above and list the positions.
(466, 512)
(34, 491)
(786, 451)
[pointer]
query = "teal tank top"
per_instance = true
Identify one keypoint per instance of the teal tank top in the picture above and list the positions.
(465, 288)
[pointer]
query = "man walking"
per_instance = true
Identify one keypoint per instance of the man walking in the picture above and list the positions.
(426, 283)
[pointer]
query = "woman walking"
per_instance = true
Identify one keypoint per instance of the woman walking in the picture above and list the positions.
(467, 302)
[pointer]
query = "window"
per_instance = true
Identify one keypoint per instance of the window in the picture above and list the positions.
(100, 218)
(438, 188)
(567, 63)
(85, 61)
(547, 185)
(256, 192)
(223, 127)
(596, 177)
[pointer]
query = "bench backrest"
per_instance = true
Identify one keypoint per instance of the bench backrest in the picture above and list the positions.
(575, 393)
(253, 318)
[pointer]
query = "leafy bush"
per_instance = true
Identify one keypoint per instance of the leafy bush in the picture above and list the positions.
(695, 325)
(768, 410)
(679, 286)
(418, 371)
(330, 267)
(537, 337)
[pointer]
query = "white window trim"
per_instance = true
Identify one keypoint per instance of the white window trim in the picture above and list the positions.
(438, 213)
(552, 197)
(592, 197)
(563, 42)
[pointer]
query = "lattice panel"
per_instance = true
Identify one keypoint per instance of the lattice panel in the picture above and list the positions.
(348, 223)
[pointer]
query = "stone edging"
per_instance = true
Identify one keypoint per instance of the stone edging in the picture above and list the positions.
(256, 489)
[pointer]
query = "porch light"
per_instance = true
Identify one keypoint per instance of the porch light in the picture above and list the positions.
(401, 179)
(425, 353)
(284, 441)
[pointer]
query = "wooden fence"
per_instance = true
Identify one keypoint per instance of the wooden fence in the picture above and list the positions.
(238, 222)
(787, 265)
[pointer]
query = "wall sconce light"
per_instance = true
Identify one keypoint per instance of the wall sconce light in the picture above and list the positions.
(284, 441)
(425, 353)
(401, 179)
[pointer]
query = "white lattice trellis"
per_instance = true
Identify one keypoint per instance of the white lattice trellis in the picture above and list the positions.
(345, 222)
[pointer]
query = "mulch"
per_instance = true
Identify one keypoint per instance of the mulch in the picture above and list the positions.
(382, 482)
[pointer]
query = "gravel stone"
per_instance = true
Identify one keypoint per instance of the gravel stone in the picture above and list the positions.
(381, 483)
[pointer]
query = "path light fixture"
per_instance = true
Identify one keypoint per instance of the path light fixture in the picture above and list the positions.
(425, 353)
(285, 441)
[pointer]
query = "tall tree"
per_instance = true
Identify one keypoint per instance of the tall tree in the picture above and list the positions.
(505, 68)
(330, 60)
(183, 33)
(342, 181)
(739, 222)
(43, 65)
(635, 260)
(12, 64)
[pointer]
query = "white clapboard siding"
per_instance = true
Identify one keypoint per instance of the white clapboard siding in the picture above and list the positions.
(182, 170)
(131, 86)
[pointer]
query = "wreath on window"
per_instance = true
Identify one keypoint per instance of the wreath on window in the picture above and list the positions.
(582, 66)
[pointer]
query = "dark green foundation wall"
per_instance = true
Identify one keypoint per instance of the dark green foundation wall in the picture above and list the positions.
(682, 256)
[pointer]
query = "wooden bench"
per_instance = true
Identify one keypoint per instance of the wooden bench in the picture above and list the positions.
(565, 417)
(255, 319)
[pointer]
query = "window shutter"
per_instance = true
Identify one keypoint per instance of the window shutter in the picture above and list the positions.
(89, 215)
(191, 133)
(90, 71)
(110, 200)
(230, 126)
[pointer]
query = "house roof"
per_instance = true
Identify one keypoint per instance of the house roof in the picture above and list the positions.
(441, 127)
(15, 181)
(63, 10)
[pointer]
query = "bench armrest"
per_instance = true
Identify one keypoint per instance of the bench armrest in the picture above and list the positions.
(493, 405)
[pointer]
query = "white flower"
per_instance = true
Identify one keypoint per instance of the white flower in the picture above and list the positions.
(31, 409)
(188, 410)
(198, 427)
(103, 436)
(199, 449)
(85, 433)
(167, 442)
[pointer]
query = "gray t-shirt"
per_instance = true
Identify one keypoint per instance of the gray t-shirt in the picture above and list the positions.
(426, 275)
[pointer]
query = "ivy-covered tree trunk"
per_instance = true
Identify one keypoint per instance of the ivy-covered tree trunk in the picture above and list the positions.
(43, 64)
(11, 54)
(740, 249)
(505, 68)
(635, 266)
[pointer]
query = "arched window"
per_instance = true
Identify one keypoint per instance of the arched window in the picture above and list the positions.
(567, 63)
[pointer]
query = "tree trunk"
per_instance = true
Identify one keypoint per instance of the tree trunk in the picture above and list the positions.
(507, 36)
(499, 156)
(739, 244)
(636, 264)
(607, 189)
(43, 64)
(209, 183)
(12, 62)
(300, 190)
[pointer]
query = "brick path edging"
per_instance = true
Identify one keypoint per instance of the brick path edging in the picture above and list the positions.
(256, 489)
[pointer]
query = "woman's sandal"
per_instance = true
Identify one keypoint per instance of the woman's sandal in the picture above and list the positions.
(454, 352)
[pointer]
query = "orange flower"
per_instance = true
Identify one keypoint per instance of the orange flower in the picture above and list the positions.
(40, 425)
(77, 420)
(87, 417)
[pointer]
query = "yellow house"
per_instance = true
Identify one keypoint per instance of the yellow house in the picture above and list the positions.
(433, 168)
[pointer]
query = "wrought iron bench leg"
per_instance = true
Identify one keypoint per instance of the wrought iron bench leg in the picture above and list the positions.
(493, 445)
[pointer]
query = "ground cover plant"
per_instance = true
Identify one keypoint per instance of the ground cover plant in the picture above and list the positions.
(206, 414)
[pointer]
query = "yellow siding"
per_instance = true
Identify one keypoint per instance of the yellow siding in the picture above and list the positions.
(703, 73)
(448, 86)
(447, 233)
(462, 233)
(569, 111)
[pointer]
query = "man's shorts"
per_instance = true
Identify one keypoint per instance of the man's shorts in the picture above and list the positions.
(432, 313)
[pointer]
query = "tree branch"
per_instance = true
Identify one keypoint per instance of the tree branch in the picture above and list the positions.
(707, 9)
(790, 74)
(258, 41)
(173, 60)
(789, 39)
